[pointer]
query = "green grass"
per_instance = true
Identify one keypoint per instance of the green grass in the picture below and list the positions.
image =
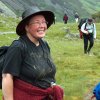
(7, 23)
(76, 73)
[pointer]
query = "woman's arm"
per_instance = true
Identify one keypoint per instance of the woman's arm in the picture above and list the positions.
(7, 86)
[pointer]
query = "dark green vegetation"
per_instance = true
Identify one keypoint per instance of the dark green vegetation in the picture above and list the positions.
(76, 73)
(85, 8)
(96, 16)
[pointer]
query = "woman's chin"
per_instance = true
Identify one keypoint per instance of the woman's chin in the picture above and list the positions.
(41, 36)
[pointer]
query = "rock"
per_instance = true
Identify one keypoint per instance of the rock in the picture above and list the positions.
(72, 35)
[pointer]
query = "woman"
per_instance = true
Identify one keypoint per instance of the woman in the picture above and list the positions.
(29, 72)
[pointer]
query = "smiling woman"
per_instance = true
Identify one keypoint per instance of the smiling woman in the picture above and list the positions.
(36, 28)
(29, 71)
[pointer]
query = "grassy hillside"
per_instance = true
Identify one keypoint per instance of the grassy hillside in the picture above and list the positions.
(76, 73)
(59, 7)
(91, 6)
(7, 23)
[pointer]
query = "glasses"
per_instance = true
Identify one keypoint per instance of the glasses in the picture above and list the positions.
(37, 23)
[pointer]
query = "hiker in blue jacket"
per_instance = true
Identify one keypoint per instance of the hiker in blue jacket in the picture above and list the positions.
(89, 34)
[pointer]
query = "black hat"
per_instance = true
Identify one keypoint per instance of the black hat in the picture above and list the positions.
(90, 20)
(27, 14)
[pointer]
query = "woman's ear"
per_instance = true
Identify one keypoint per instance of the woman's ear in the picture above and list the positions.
(26, 28)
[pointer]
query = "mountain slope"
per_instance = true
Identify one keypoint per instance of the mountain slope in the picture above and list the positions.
(59, 7)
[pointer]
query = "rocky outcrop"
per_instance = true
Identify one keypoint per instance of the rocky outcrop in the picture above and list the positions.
(6, 10)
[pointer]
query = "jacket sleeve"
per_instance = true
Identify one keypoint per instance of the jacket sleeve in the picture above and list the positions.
(94, 31)
(83, 28)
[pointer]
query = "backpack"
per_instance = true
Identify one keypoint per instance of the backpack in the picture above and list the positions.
(82, 21)
(3, 51)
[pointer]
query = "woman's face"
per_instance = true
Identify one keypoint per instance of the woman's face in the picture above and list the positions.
(36, 27)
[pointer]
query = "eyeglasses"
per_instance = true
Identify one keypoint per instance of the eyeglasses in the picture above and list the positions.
(37, 23)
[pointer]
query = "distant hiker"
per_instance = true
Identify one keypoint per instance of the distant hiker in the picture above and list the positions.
(76, 16)
(89, 34)
(29, 71)
(65, 18)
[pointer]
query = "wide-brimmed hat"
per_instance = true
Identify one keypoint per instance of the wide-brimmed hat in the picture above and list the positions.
(27, 14)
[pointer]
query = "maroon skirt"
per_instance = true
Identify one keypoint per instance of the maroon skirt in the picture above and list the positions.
(26, 91)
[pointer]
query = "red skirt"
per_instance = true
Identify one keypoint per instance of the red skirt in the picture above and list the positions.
(26, 91)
